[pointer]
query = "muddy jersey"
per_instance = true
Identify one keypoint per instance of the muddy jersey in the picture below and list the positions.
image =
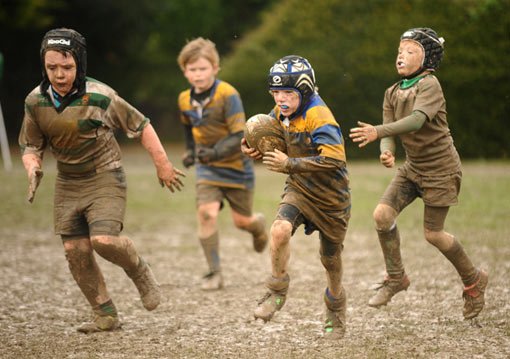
(430, 150)
(211, 121)
(315, 133)
(81, 135)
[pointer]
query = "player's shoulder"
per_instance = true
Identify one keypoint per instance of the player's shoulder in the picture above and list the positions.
(225, 88)
(429, 81)
(317, 108)
(184, 97)
(34, 96)
(98, 87)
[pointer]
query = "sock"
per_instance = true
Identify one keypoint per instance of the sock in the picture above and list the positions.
(390, 244)
(460, 260)
(210, 245)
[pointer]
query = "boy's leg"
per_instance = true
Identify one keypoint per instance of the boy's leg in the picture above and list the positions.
(474, 280)
(254, 224)
(89, 278)
(121, 251)
(278, 283)
(209, 240)
(241, 203)
(335, 297)
(389, 239)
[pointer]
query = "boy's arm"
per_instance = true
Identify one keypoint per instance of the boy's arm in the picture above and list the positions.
(367, 133)
(279, 162)
(226, 147)
(410, 123)
(188, 159)
(33, 165)
(167, 174)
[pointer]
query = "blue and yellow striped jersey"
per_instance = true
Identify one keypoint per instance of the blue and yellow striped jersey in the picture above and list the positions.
(221, 116)
(316, 133)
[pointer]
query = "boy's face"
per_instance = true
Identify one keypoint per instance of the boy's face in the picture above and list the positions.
(61, 70)
(201, 74)
(287, 100)
(410, 57)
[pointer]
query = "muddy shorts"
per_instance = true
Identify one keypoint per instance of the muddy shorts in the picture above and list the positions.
(438, 193)
(298, 210)
(240, 200)
(90, 205)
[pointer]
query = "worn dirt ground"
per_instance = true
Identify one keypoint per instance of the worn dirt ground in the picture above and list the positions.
(41, 306)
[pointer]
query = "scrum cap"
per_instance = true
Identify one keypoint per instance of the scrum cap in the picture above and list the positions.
(432, 47)
(293, 73)
(68, 40)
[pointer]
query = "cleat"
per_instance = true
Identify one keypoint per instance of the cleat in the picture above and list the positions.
(268, 305)
(147, 286)
(100, 324)
(335, 325)
(260, 241)
(474, 296)
(212, 281)
(389, 287)
(334, 328)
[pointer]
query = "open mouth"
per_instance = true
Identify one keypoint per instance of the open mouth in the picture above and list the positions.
(400, 63)
(284, 107)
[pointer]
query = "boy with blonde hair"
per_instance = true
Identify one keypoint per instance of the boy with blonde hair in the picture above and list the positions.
(213, 117)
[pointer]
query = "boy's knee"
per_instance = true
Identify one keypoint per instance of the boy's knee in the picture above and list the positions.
(281, 232)
(206, 214)
(384, 216)
(439, 239)
(104, 244)
(77, 253)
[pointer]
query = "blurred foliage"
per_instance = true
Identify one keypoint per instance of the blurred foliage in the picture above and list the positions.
(351, 44)
(132, 46)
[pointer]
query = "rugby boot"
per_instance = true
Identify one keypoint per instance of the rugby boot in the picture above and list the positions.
(147, 286)
(101, 323)
(212, 281)
(389, 287)
(106, 319)
(474, 296)
(260, 238)
(335, 316)
(273, 300)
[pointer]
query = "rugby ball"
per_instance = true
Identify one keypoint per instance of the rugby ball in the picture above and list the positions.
(264, 133)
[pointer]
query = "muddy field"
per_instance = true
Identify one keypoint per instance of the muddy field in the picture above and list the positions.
(41, 306)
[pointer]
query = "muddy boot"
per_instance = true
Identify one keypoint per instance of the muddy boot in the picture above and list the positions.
(260, 235)
(388, 288)
(274, 299)
(212, 281)
(106, 319)
(147, 286)
(474, 280)
(335, 316)
(474, 296)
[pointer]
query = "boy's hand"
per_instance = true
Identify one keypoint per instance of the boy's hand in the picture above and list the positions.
(207, 154)
(248, 151)
(365, 134)
(387, 159)
(169, 176)
(188, 158)
(36, 174)
(276, 161)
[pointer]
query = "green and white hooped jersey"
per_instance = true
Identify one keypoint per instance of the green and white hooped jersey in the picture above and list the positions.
(81, 135)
